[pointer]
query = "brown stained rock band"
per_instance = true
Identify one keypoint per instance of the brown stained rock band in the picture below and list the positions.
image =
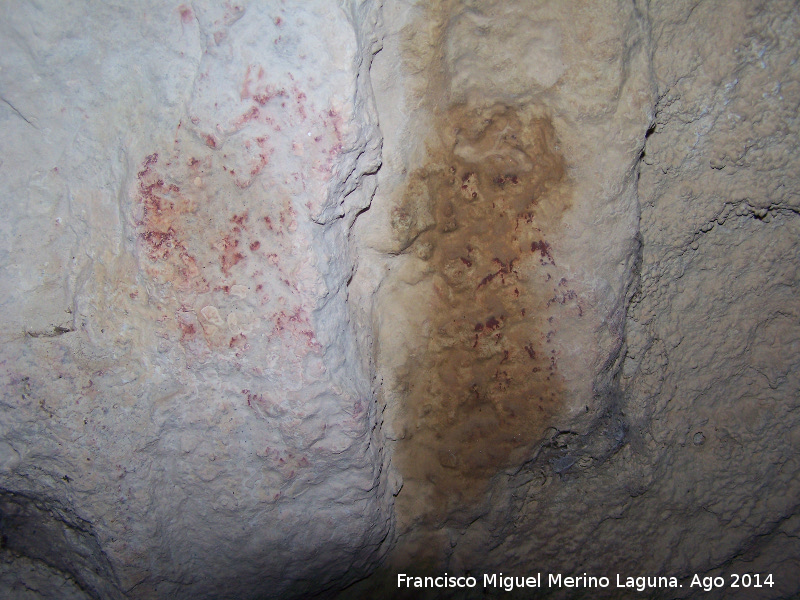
(484, 385)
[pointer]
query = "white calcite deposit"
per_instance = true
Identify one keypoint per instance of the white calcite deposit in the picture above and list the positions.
(297, 296)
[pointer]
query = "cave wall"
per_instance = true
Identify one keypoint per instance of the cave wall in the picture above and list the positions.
(711, 370)
(298, 295)
(500, 245)
(184, 408)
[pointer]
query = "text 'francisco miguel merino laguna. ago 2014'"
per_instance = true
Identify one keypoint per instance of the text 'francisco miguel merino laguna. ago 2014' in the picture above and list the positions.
(554, 580)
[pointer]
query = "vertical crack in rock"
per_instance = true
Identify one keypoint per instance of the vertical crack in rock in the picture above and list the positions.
(483, 383)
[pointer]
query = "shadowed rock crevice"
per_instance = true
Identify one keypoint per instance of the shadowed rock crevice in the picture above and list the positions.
(45, 531)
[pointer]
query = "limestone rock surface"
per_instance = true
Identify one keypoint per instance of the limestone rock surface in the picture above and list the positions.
(673, 317)
(300, 295)
(183, 409)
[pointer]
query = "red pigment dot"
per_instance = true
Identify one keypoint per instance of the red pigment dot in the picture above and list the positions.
(186, 13)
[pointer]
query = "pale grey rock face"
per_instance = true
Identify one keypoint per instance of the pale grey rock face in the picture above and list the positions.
(183, 403)
(296, 293)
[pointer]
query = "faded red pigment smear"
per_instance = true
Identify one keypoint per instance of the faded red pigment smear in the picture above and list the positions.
(189, 241)
(186, 14)
(161, 206)
(231, 254)
(296, 323)
(177, 249)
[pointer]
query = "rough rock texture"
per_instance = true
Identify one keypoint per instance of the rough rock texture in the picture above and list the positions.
(499, 308)
(712, 372)
(298, 295)
(183, 407)
(672, 312)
